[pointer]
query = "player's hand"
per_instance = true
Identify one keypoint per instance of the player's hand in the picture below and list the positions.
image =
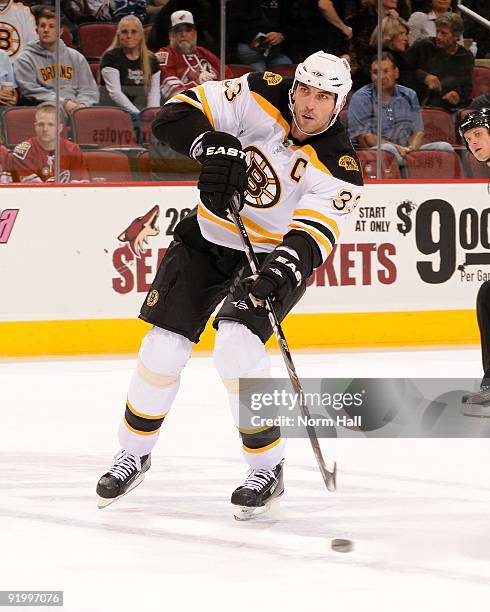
(224, 171)
(279, 276)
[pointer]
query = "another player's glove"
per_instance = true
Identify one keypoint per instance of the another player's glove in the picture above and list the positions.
(224, 171)
(279, 276)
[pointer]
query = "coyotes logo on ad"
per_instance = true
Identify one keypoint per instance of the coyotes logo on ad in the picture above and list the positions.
(139, 230)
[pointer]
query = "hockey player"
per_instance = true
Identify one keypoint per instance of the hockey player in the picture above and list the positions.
(303, 179)
(475, 132)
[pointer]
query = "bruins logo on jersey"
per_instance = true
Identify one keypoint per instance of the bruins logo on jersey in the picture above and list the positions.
(9, 38)
(272, 78)
(263, 187)
(349, 163)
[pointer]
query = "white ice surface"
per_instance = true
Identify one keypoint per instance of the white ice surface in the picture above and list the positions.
(417, 510)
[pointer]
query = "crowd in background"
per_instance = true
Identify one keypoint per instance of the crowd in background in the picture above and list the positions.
(161, 47)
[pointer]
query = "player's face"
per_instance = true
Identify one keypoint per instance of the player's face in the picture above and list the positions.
(130, 36)
(183, 38)
(46, 30)
(478, 140)
(389, 74)
(399, 42)
(313, 108)
(445, 39)
(45, 129)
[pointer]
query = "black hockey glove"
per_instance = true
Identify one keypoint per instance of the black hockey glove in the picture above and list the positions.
(279, 276)
(224, 171)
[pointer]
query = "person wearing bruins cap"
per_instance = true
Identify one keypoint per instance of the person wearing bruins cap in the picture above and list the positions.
(183, 63)
(475, 132)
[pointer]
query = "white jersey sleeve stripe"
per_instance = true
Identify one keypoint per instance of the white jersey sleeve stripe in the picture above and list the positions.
(187, 100)
(322, 242)
(314, 214)
(205, 104)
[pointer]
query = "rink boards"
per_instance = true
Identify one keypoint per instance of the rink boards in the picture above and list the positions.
(74, 268)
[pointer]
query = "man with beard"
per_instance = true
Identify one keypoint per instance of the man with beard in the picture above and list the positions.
(184, 64)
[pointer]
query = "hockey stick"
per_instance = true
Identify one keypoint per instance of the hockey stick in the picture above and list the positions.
(329, 477)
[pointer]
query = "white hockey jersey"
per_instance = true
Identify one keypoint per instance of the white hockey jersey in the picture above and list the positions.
(309, 187)
(17, 27)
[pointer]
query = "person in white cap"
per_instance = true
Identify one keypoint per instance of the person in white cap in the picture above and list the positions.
(278, 143)
(184, 64)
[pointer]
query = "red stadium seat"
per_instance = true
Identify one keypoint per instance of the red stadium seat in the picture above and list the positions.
(474, 168)
(239, 69)
(103, 126)
(18, 124)
(113, 166)
(434, 165)
(94, 67)
(438, 126)
(146, 118)
(481, 81)
(144, 166)
(389, 166)
(95, 38)
(285, 70)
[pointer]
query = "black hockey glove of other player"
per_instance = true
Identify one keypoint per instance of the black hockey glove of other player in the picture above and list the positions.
(279, 276)
(224, 171)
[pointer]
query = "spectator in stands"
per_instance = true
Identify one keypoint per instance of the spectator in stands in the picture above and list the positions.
(153, 7)
(8, 86)
(317, 25)
(394, 32)
(18, 27)
(442, 70)
(423, 23)
(183, 63)
(482, 101)
(129, 73)
(402, 128)
(33, 161)
(207, 19)
(35, 70)
(257, 37)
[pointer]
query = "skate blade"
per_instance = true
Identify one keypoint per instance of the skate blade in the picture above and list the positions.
(103, 502)
(477, 410)
(245, 513)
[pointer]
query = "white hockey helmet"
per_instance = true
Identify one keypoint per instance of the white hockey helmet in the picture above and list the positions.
(327, 72)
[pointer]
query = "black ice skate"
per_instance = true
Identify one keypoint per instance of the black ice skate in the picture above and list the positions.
(258, 492)
(478, 404)
(127, 473)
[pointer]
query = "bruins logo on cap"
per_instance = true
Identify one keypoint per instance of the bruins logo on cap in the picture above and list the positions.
(272, 78)
(152, 298)
(348, 162)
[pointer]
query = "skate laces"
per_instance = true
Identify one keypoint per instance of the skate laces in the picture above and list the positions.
(256, 479)
(125, 464)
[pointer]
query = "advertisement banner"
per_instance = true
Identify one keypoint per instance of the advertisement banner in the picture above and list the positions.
(91, 252)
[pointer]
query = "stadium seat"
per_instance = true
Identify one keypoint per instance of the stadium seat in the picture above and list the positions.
(389, 166)
(144, 167)
(94, 67)
(285, 70)
(112, 166)
(239, 69)
(103, 126)
(474, 168)
(18, 124)
(438, 126)
(481, 81)
(95, 38)
(434, 165)
(146, 118)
